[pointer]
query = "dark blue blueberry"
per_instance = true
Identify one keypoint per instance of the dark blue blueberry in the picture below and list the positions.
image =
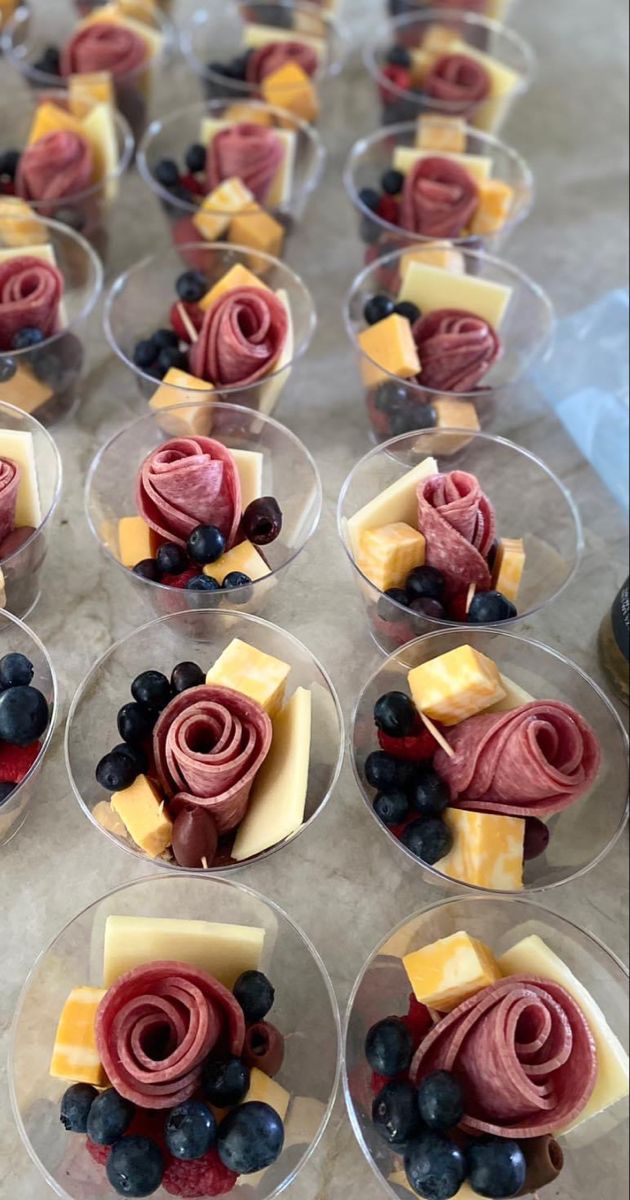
(137, 756)
(50, 62)
(171, 559)
(225, 1082)
(134, 724)
(135, 1167)
(430, 840)
(255, 995)
(250, 1138)
(8, 368)
(238, 66)
(395, 1113)
(488, 607)
(369, 231)
(152, 690)
(377, 309)
(145, 354)
(24, 715)
(16, 670)
(497, 1167)
(191, 287)
(262, 521)
(6, 790)
(425, 581)
(116, 771)
(425, 606)
(370, 198)
(169, 359)
(9, 163)
(391, 397)
(165, 339)
(76, 1103)
(430, 795)
(392, 182)
(203, 583)
(238, 582)
(206, 544)
(395, 713)
(399, 56)
(186, 675)
(387, 773)
(109, 1118)
(147, 569)
(392, 808)
(27, 337)
(435, 1167)
(167, 173)
(389, 1047)
(440, 1101)
(386, 611)
(405, 308)
(411, 417)
(190, 1130)
(196, 158)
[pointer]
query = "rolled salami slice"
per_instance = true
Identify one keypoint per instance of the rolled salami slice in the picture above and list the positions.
(523, 1053)
(104, 46)
(439, 199)
(156, 1026)
(458, 80)
(456, 349)
(58, 166)
(253, 153)
(459, 524)
(30, 294)
(535, 760)
(241, 339)
(270, 58)
(209, 744)
(188, 482)
(10, 473)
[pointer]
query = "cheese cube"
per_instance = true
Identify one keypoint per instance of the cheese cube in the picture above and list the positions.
(398, 502)
(99, 129)
(19, 225)
(237, 277)
(251, 114)
(75, 1055)
(388, 349)
(248, 670)
(441, 134)
(496, 200)
(487, 850)
(431, 288)
(249, 464)
(225, 951)
(454, 414)
(447, 972)
(257, 230)
(387, 555)
(141, 809)
(84, 90)
(263, 1090)
(456, 685)
(136, 541)
(25, 391)
(195, 421)
(52, 118)
(244, 557)
(509, 567)
(291, 89)
(479, 166)
(19, 447)
(435, 254)
(216, 212)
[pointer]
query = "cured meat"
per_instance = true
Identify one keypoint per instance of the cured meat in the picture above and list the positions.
(156, 1026)
(459, 81)
(270, 58)
(253, 153)
(10, 473)
(459, 524)
(58, 166)
(30, 294)
(104, 46)
(209, 744)
(241, 339)
(535, 760)
(439, 199)
(523, 1053)
(188, 482)
(456, 349)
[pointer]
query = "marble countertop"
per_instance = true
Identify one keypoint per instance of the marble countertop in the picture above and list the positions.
(342, 883)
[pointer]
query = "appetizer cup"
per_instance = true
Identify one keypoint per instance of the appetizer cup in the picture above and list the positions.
(594, 1158)
(44, 379)
(305, 1009)
(198, 637)
(289, 475)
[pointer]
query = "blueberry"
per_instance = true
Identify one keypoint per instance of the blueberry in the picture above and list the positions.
(440, 1101)
(225, 1082)
(392, 182)
(385, 610)
(390, 397)
(488, 607)
(391, 808)
(196, 158)
(186, 675)
(116, 771)
(250, 1138)
(425, 416)
(430, 795)
(135, 754)
(425, 581)
(404, 421)
(405, 308)
(389, 1047)
(395, 713)
(497, 1167)
(50, 62)
(206, 544)
(255, 994)
(537, 836)
(27, 337)
(167, 173)
(6, 790)
(8, 369)
(191, 287)
(152, 690)
(171, 559)
(76, 1103)
(238, 67)
(202, 583)
(190, 1130)
(426, 607)
(135, 1167)
(369, 198)
(387, 773)
(9, 163)
(24, 715)
(239, 582)
(169, 359)
(134, 724)
(16, 670)
(399, 56)
(147, 569)
(109, 1118)
(165, 339)
(145, 354)
(395, 1113)
(430, 840)
(377, 309)
(262, 521)
(435, 1167)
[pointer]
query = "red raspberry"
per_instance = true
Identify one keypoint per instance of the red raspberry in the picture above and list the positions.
(192, 184)
(398, 830)
(388, 209)
(7, 187)
(180, 581)
(415, 748)
(418, 1020)
(194, 314)
(378, 1082)
(202, 1177)
(400, 77)
(16, 761)
(100, 1154)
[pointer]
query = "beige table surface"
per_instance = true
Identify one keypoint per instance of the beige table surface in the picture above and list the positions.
(344, 885)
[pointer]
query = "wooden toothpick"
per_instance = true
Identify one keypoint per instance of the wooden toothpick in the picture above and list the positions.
(204, 863)
(471, 595)
(439, 737)
(187, 323)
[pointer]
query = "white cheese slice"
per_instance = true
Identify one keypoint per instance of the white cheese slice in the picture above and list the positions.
(255, 36)
(477, 165)
(271, 389)
(249, 464)
(432, 288)
(100, 131)
(18, 445)
(515, 696)
(399, 502)
(47, 254)
(282, 186)
(225, 951)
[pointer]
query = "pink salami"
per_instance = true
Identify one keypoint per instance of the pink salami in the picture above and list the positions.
(104, 46)
(533, 761)
(456, 349)
(253, 153)
(524, 1054)
(209, 744)
(459, 524)
(439, 199)
(274, 55)
(10, 473)
(56, 167)
(188, 482)
(241, 339)
(459, 81)
(30, 294)
(156, 1026)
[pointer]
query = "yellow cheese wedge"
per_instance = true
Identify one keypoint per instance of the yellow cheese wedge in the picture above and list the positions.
(255, 36)
(398, 502)
(259, 231)
(454, 414)
(388, 349)
(248, 670)
(291, 89)
(263, 1090)
(278, 798)
(487, 850)
(431, 288)
(25, 390)
(456, 685)
(435, 254)
(100, 131)
(496, 201)
(447, 972)
(249, 464)
(244, 557)
(223, 950)
(509, 567)
(18, 446)
(441, 134)
(141, 809)
(533, 957)
(51, 118)
(477, 165)
(387, 555)
(75, 1055)
(104, 814)
(195, 421)
(237, 277)
(214, 216)
(515, 696)
(281, 187)
(19, 225)
(136, 541)
(270, 390)
(84, 90)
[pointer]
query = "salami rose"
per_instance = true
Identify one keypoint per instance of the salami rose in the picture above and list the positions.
(241, 339)
(30, 295)
(56, 167)
(456, 349)
(104, 46)
(209, 744)
(530, 762)
(524, 1054)
(188, 482)
(156, 1026)
(458, 80)
(253, 153)
(9, 482)
(440, 198)
(459, 524)
(270, 58)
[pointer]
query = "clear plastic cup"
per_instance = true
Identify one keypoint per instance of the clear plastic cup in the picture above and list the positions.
(289, 474)
(16, 637)
(199, 637)
(87, 212)
(530, 503)
(583, 834)
(169, 137)
(141, 299)
(596, 1162)
(397, 405)
(402, 103)
(44, 380)
(305, 1010)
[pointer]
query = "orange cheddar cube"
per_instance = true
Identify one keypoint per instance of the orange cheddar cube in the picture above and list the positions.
(445, 134)
(243, 557)
(24, 390)
(509, 567)
(291, 89)
(180, 388)
(451, 415)
(237, 277)
(136, 541)
(19, 226)
(487, 850)
(445, 973)
(257, 230)
(141, 810)
(51, 118)
(228, 199)
(387, 555)
(75, 1055)
(456, 685)
(85, 90)
(388, 349)
(496, 200)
